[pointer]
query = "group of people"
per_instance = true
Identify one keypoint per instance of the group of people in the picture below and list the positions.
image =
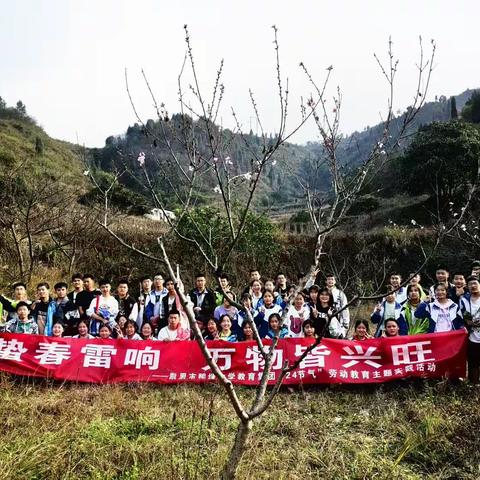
(275, 308)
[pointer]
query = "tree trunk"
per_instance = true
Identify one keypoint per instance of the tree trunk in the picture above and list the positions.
(230, 468)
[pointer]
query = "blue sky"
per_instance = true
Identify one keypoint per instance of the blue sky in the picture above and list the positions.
(66, 59)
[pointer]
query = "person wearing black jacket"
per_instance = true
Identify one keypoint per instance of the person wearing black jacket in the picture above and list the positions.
(168, 303)
(203, 298)
(125, 303)
(84, 298)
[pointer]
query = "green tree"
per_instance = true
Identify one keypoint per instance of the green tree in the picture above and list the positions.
(3, 104)
(471, 111)
(442, 160)
(39, 146)
(453, 108)
(21, 108)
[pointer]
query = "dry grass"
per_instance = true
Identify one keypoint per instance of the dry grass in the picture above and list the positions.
(68, 431)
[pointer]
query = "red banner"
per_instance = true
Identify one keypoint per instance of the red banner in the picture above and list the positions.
(332, 361)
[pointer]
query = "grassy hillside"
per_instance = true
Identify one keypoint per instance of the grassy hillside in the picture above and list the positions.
(427, 431)
(58, 160)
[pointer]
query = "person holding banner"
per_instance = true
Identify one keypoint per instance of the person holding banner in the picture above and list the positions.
(392, 328)
(247, 331)
(22, 323)
(174, 330)
(82, 329)
(226, 329)
(308, 329)
(361, 331)
(147, 331)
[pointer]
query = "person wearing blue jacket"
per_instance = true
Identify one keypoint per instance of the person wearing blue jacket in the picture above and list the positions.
(443, 314)
(276, 329)
(44, 309)
(389, 308)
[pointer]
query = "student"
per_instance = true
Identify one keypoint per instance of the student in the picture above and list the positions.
(143, 300)
(22, 323)
(441, 275)
(459, 287)
(246, 301)
(470, 306)
(82, 329)
(84, 298)
(227, 309)
(475, 268)
(313, 297)
(225, 285)
(308, 329)
(323, 315)
(392, 328)
(415, 279)
(131, 331)
(103, 308)
(169, 302)
(43, 309)
(395, 282)
(264, 312)
(361, 331)
(442, 313)
(296, 315)
(77, 284)
(202, 297)
(415, 325)
(65, 311)
(281, 286)
(126, 304)
(147, 332)
(9, 305)
(256, 293)
(154, 309)
(174, 330)
(270, 286)
(254, 277)
(388, 308)
(105, 331)
(211, 332)
(57, 330)
(247, 331)
(225, 332)
(276, 329)
(339, 301)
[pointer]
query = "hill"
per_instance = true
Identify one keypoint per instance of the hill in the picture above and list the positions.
(26, 151)
(280, 186)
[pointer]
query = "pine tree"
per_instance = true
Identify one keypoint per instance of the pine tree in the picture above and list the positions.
(453, 108)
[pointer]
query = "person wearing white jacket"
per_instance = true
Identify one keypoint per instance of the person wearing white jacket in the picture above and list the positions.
(296, 315)
(339, 301)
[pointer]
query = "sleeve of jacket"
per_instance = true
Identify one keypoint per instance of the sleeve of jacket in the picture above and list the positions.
(376, 317)
(402, 324)
(7, 304)
(149, 310)
(458, 323)
(208, 305)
